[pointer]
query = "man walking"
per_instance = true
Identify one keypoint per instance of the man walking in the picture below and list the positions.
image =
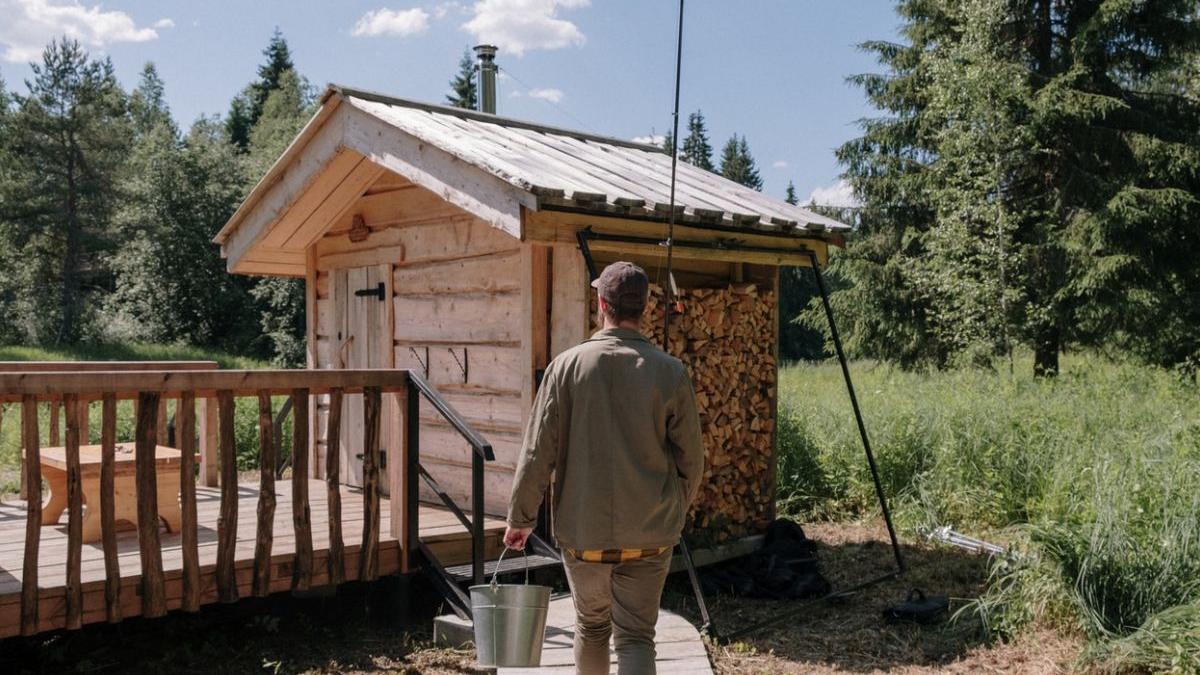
(615, 421)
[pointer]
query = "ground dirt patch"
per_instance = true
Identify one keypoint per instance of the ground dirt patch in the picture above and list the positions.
(849, 635)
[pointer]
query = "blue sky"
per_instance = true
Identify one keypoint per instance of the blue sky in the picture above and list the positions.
(773, 70)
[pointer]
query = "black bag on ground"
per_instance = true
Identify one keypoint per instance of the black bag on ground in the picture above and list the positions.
(784, 568)
(918, 608)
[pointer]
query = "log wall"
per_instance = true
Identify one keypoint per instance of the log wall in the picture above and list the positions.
(456, 307)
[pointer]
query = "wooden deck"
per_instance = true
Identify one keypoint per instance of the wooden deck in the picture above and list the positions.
(439, 528)
(680, 649)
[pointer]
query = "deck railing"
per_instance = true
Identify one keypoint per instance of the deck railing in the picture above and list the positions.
(149, 389)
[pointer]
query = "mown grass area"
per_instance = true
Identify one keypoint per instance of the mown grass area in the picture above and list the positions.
(246, 418)
(1093, 479)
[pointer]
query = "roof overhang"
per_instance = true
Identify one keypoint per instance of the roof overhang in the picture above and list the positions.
(492, 169)
(328, 167)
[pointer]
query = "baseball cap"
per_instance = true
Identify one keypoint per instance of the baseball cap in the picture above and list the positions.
(624, 287)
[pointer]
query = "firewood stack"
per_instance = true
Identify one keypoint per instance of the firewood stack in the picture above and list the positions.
(726, 337)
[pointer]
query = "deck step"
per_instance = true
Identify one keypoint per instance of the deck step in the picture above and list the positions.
(462, 573)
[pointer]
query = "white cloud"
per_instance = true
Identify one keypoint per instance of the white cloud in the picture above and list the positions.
(779, 164)
(550, 94)
(383, 21)
(29, 25)
(652, 139)
(518, 26)
(838, 194)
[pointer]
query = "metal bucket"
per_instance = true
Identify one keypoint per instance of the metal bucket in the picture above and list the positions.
(510, 621)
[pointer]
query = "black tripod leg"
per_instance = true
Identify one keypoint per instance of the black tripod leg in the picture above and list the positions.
(862, 428)
(706, 627)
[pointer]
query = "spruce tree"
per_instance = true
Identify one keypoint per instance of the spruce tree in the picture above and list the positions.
(147, 103)
(280, 301)
(1017, 186)
(463, 90)
(248, 106)
(696, 149)
(738, 165)
(270, 74)
(71, 133)
(883, 307)
(790, 195)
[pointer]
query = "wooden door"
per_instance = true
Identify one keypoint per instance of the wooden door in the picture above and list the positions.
(362, 295)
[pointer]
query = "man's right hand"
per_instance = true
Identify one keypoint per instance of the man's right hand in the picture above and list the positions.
(515, 537)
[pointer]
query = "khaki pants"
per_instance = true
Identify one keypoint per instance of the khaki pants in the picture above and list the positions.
(621, 600)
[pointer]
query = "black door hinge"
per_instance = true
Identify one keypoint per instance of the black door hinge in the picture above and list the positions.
(379, 292)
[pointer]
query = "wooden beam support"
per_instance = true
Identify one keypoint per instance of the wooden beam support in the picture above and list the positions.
(227, 519)
(33, 515)
(154, 599)
(559, 228)
(74, 591)
(301, 517)
(108, 521)
(185, 420)
(261, 584)
(333, 440)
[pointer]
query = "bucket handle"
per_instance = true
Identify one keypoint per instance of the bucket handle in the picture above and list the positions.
(501, 559)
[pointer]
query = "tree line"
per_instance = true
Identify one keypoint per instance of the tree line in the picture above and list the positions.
(108, 208)
(1031, 182)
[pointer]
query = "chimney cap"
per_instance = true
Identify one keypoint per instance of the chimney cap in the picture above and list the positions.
(486, 52)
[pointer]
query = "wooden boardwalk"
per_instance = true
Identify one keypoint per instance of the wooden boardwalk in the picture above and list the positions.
(449, 540)
(680, 649)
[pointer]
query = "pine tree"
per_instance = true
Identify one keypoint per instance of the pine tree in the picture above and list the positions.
(881, 305)
(738, 165)
(283, 115)
(270, 74)
(1011, 186)
(668, 144)
(71, 132)
(463, 91)
(248, 106)
(790, 196)
(178, 192)
(280, 301)
(147, 104)
(237, 122)
(696, 149)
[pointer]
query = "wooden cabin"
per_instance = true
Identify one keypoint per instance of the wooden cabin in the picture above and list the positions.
(446, 257)
(449, 242)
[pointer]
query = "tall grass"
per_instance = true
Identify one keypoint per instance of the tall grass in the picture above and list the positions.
(1095, 476)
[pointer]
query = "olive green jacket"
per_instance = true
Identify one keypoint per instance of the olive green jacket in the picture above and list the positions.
(615, 422)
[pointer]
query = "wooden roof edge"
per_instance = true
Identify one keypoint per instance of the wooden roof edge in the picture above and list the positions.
(687, 218)
(464, 113)
(272, 175)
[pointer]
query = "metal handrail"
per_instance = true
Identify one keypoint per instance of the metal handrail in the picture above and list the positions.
(481, 446)
(481, 452)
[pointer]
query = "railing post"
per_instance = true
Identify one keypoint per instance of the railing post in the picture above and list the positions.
(477, 552)
(412, 470)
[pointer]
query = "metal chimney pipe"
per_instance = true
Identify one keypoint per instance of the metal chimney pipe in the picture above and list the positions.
(487, 77)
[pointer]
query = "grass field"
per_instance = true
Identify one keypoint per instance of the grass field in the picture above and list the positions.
(246, 420)
(1093, 480)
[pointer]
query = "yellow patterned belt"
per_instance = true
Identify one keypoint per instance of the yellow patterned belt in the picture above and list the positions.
(616, 555)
